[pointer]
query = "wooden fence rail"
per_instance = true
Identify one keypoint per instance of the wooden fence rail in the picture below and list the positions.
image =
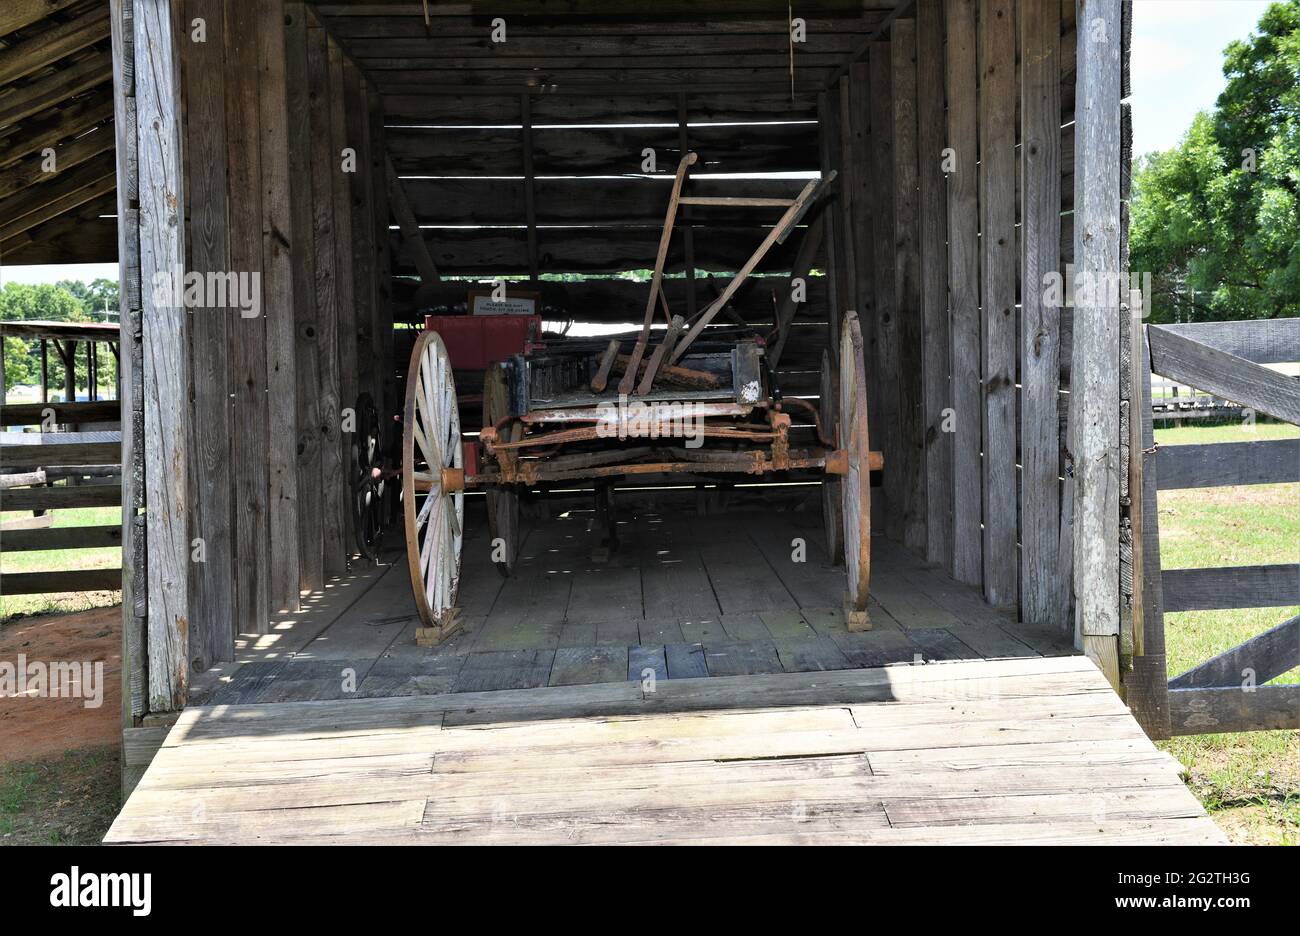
(1228, 692)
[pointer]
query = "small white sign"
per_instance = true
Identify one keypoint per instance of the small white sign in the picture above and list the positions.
(511, 305)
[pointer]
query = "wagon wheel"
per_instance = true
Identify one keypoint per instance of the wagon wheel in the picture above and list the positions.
(502, 500)
(855, 486)
(369, 487)
(433, 479)
(832, 505)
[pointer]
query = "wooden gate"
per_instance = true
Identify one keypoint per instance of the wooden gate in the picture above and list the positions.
(1226, 693)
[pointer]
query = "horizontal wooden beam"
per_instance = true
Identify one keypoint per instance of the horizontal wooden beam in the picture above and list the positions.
(55, 498)
(53, 583)
(586, 201)
(49, 90)
(1263, 341)
(1260, 659)
(1199, 365)
(85, 537)
(584, 81)
(49, 46)
(1227, 463)
(349, 22)
(85, 235)
(33, 414)
(1210, 711)
(559, 48)
(1258, 586)
(608, 105)
(608, 249)
(76, 453)
(596, 151)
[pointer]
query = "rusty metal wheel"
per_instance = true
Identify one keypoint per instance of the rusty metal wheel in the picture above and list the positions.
(502, 499)
(433, 480)
(855, 486)
(832, 498)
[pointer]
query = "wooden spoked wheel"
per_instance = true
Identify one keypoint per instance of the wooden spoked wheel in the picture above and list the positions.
(855, 486)
(832, 498)
(369, 485)
(502, 499)
(433, 497)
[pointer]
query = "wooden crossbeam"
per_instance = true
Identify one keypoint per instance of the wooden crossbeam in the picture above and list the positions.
(48, 129)
(48, 91)
(776, 235)
(1256, 586)
(1209, 711)
(1266, 656)
(70, 190)
(48, 47)
(410, 228)
(1199, 365)
(656, 284)
(1228, 464)
(19, 14)
(70, 154)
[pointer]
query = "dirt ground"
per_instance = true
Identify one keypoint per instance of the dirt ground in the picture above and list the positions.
(33, 728)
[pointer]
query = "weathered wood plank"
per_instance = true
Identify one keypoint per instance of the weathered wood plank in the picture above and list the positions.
(130, 366)
(1039, 342)
(50, 45)
(1188, 361)
(279, 298)
(49, 91)
(961, 77)
(936, 334)
(1208, 711)
(87, 537)
(324, 166)
(49, 583)
(997, 144)
(907, 283)
(311, 548)
(888, 438)
(1261, 341)
(1147, 686)
(1255, 586)
(212, 605)
(345, 282)
(1228, 463)
(1094, 379)
(1258, 660)
(247, 372)
(166, 358)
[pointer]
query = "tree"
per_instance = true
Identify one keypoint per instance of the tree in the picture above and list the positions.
(64, 302)
(1216, 220)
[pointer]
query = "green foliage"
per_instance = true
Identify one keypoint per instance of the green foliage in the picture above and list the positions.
(68, 301)
(1216, 220)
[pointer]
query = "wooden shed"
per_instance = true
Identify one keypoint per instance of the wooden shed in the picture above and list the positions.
(342, 169)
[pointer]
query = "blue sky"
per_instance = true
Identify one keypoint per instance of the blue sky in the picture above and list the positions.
(1177, 70)
(1177, 62)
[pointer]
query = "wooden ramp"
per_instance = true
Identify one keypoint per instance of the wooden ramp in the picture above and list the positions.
(1036, 750)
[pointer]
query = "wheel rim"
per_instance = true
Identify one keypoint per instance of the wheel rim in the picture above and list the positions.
(856, 483)
(434, 517)
(832, 513)
(502, 500)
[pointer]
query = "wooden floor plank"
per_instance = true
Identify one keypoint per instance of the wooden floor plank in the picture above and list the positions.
(1033, 750)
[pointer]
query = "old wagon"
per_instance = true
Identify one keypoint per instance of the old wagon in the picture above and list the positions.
(553, 412)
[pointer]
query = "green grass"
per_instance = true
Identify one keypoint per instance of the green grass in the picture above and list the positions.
(105, 557)
(68, 800)
(1249, 782)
